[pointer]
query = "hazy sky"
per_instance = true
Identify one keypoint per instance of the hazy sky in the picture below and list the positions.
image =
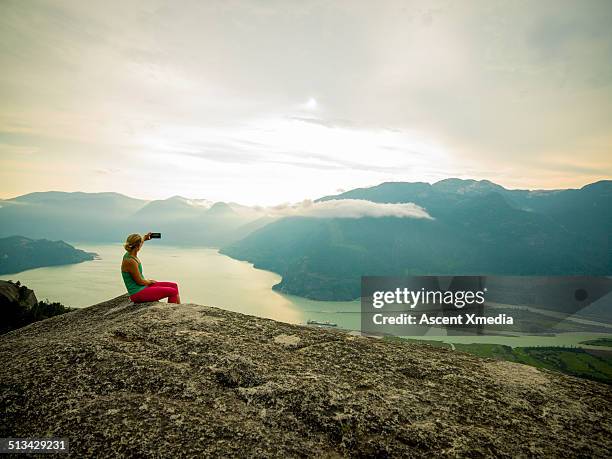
(265, 102)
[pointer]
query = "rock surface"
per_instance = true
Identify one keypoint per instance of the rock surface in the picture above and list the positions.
(154, 379)
(11, 292)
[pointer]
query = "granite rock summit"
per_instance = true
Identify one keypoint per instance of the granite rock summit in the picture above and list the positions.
(154, 379)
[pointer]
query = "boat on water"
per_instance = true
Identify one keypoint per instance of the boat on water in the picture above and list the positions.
(325, 323)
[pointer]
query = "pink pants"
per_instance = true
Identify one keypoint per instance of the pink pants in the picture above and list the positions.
(156, 292)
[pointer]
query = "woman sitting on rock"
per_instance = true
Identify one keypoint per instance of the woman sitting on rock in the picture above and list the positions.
(140, 289)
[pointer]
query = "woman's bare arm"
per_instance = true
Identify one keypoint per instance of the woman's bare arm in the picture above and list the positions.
(132, 267)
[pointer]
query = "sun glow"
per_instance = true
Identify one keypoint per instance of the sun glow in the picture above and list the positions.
(305, 157)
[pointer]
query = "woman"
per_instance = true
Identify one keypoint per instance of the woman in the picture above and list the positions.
(140, 289)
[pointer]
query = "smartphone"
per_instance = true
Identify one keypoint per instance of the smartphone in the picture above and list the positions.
(155, 235)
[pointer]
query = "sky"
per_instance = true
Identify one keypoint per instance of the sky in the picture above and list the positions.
(266, 102)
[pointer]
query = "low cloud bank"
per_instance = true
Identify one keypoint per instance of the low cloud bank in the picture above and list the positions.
(348, 208)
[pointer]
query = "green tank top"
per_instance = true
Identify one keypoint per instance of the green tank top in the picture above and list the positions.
(130, 284)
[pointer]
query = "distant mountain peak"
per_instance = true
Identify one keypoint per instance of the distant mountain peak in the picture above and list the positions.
(59, 197)
(467, 186)
(601, 185)
(189, 201)
(220, 208)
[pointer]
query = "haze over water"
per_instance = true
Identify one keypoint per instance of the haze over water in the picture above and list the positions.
(204, 277)
(209, 278)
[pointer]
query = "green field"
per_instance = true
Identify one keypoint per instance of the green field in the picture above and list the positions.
(584, 363)
(603, 342)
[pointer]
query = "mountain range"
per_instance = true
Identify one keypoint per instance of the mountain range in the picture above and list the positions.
(109, 217)
(473, 227)
(477, 227)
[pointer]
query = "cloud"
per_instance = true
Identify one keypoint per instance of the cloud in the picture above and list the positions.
(298, 142)
(17, 150)
(311, 104)
(106, 171)
(348, 208)
(404, 90)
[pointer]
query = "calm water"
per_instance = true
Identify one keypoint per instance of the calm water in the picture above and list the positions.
(204, 277)
(207, 277)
